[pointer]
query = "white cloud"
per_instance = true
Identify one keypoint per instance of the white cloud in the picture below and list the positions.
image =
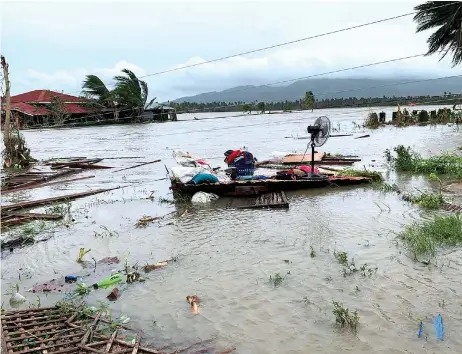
(157, 36)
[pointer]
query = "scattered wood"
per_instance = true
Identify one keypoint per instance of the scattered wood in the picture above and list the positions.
(139, 165)
(339, 135)
(268, 200)
(57, 331)
(20, 218)
(47, 201)
(39, 185)
(363, 136)
(84, 166)
(27, 179)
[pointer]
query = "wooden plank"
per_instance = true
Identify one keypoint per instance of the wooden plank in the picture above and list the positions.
(268, 200)
(141, 164)
(37, 203)
(39, 185)
(300, 158)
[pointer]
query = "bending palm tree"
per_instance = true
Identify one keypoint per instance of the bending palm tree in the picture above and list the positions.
(132, 92)
(94, 88)
(448, 19)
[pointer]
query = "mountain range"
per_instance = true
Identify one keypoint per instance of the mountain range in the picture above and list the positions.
(331, 88)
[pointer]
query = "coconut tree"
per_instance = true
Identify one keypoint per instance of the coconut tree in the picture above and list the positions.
(132, 92)
(446, 18)
(95, 89)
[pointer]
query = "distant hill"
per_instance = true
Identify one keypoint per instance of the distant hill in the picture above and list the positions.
(329, 88)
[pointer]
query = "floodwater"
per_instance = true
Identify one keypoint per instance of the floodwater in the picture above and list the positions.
(226, 256)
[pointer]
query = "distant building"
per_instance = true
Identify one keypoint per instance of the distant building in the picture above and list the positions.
(45, 107)
(159, 114)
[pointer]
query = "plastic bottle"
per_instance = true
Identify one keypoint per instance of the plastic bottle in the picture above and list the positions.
(113, 279)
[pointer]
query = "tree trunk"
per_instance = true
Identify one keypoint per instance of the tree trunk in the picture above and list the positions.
(6, 127)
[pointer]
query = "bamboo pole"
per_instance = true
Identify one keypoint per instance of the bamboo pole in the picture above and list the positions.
(6, 127)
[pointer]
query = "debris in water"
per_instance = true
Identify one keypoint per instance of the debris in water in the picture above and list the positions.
(132, 277)
(17, 298)
(70, 278)
(82, 253)
(141, 164)
(113, 279)
(420, 330)
(193, 300)
(150, 267)
(438, 322)
(110, 260)
(114, 295)
(363, 136)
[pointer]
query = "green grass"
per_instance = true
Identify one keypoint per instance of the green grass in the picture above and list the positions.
(372, 121)
(344, 317)
(407, 160)
(373, 175)
(423, 239)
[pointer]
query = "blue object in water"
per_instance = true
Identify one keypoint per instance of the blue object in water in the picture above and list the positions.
(204, 178)
(70, 278)
(438, 322)
(420, 330)
(248, 178)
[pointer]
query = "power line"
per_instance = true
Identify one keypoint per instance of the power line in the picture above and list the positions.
(288, 43)
(291, 42)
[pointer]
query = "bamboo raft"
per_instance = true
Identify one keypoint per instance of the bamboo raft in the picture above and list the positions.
(320, 159)
(55, 330)
(257, 187)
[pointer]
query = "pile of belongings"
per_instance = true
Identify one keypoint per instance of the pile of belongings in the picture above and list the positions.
(296, 173)
(241, 162)
(195, 170)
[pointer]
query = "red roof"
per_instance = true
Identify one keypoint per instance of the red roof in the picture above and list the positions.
(74, 108)
(29, 109)
(43, 96)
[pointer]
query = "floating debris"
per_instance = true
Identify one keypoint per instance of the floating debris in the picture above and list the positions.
(114, 295)
(193, 300)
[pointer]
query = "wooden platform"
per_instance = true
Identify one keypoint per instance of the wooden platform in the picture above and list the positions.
(268, 200)
(257, 187)
(55, 330)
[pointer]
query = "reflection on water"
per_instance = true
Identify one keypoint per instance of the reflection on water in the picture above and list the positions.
(227, 255)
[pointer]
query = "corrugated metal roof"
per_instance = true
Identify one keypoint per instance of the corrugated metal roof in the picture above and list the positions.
(43, 96)
(74, 108)
(29, 109)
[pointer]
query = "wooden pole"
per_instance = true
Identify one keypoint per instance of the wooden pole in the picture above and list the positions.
(6, 127)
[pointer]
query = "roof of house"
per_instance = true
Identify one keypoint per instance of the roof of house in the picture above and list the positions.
(43, 96)
(74, 108)
(29, 109)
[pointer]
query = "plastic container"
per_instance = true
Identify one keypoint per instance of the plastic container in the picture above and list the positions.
(113, 279)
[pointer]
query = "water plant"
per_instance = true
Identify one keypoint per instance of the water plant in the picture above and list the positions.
(423, 239)
(408, 160)
(312, 252)
(82, 253)
(344, 317)
(372, 121)
(277, 279)
(351, 172)
(342, 257)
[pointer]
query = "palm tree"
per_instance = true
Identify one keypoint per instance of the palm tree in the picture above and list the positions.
(446, 16)
(95, 89)
(132, 92)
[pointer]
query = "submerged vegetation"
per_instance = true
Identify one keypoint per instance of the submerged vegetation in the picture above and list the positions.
(344, 317)
(423, 239)
(407, 160)
(373, 175)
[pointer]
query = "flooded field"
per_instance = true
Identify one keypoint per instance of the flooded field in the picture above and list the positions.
(226, 256)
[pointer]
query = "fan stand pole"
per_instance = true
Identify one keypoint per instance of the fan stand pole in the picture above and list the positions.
(312, 154)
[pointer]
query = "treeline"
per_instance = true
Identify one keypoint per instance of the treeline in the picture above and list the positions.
(191, 107)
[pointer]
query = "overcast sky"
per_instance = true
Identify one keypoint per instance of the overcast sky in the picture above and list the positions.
(53, 45)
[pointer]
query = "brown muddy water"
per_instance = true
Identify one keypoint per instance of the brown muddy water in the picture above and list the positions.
(226, 256)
